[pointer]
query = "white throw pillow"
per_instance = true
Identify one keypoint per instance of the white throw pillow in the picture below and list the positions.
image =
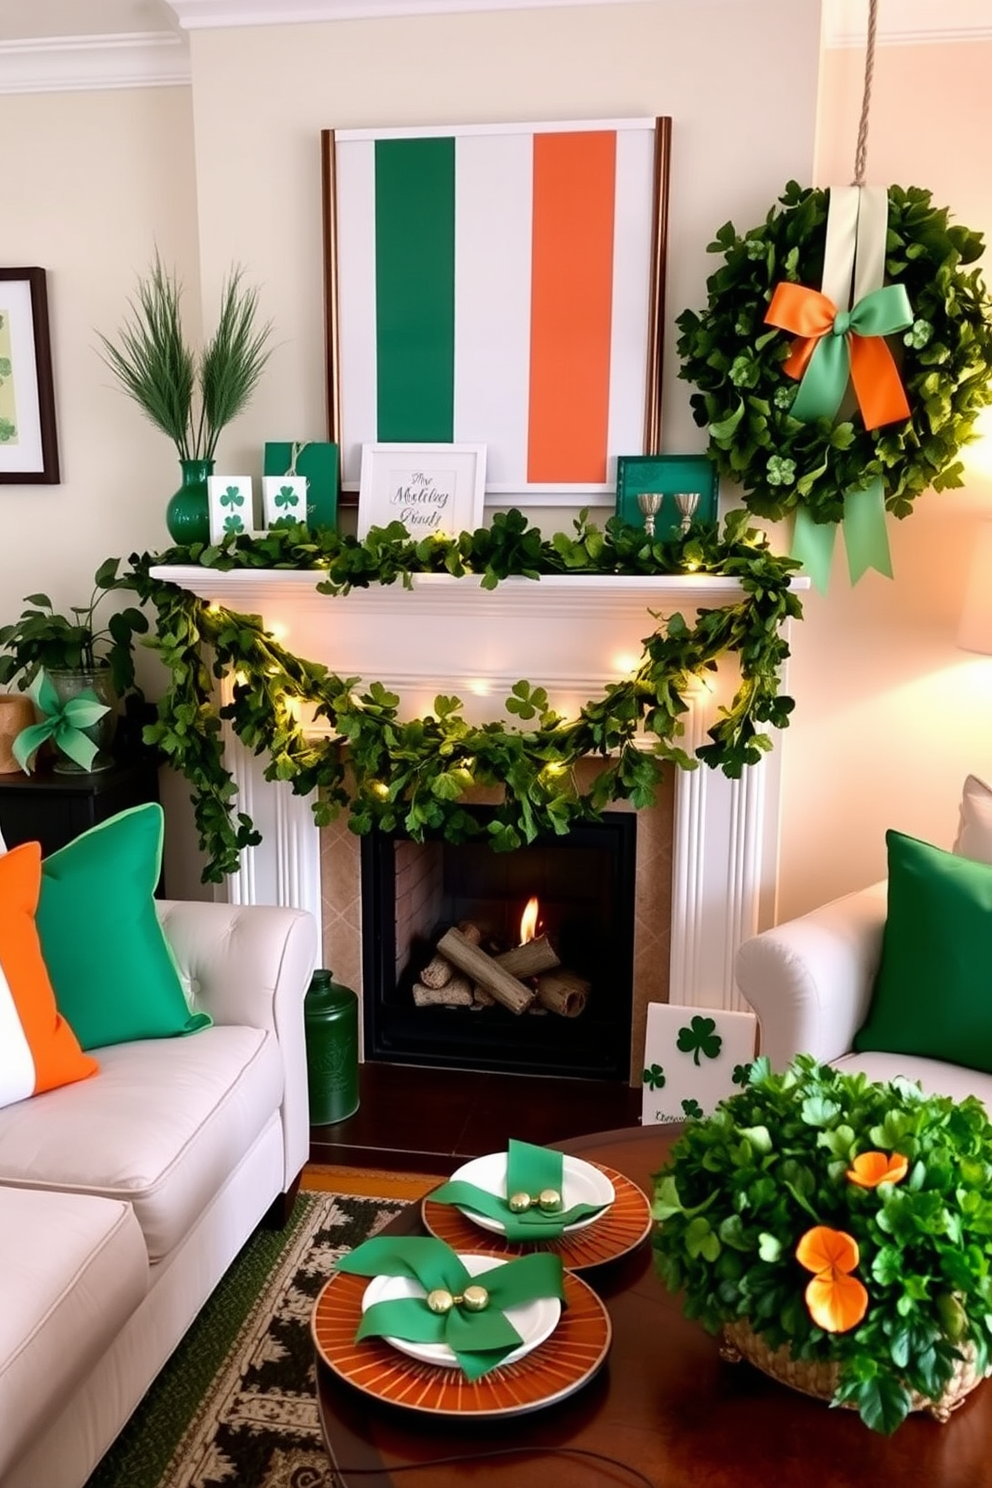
(974, 839)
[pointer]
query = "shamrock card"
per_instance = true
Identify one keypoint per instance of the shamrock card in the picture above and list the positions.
(284, 500)
(230, 504)
(693, 1058)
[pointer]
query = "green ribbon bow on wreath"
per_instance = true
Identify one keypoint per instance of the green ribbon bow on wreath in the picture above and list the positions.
(63, 723)
(465, 1312)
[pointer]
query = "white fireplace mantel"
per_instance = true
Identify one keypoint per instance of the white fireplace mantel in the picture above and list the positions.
(572, 634)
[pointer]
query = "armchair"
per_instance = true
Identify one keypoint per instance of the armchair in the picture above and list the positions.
(810, 980)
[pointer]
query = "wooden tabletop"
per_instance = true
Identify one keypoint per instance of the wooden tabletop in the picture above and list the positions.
(665, 1405)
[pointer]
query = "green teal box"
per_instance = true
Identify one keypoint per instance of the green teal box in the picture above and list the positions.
(693, 478)
(318, 462)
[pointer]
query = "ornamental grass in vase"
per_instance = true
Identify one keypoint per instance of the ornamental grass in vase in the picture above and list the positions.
(836, 1232)
(190, 396)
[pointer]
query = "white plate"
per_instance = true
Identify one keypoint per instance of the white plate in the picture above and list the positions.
(534, 1321)
(581, 1184)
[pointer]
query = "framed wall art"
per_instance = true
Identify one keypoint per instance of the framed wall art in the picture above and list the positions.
(498, 285)
(430, 488)
(28, 444)
(666, 494)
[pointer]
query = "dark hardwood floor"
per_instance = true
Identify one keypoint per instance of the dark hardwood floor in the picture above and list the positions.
(422, 1120)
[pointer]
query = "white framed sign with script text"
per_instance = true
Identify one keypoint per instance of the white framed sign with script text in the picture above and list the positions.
(433, 489)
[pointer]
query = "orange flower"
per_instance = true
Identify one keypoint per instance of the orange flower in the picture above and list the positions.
(870, 1169)
(823, 1249)
(836, 1300)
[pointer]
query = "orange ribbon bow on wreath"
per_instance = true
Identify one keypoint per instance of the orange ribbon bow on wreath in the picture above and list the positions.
(834, 345)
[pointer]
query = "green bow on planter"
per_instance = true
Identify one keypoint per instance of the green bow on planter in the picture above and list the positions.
(63, 723)
(465, 1312)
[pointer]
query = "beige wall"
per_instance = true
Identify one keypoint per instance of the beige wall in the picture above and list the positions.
(96, 181)
(228, 170)
(890, 713)
(262, 96)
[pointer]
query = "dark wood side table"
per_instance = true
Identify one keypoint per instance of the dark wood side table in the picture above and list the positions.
(52, 809)
(665, 1403)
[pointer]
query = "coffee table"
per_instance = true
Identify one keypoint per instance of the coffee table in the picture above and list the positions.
(664, 1403)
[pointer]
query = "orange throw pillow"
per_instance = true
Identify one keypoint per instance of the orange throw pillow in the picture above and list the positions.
(38, 1049)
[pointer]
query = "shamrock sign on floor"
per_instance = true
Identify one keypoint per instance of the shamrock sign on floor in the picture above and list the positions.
(693, 1058)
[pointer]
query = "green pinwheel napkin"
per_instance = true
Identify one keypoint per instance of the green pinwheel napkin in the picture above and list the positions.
(62, 722)
(461, 1310)
(530, 1171)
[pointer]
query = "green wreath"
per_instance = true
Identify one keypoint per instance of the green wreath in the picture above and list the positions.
(736, 361)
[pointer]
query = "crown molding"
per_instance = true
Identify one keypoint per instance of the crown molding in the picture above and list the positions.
(845, 22)
(195, 14)
(906, 22)
(161, 58)
(69, 64)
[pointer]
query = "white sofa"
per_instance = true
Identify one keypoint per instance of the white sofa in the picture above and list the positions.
(124, 1197)
(810, 979)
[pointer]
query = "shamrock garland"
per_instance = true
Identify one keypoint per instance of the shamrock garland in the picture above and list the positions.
(412, 775)
(746, 398)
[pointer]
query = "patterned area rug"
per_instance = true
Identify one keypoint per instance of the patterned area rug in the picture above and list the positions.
(236, 1406)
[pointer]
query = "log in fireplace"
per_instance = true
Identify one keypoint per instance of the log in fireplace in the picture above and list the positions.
(454, 975)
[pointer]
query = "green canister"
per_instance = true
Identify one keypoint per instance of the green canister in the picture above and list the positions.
(330, 1014)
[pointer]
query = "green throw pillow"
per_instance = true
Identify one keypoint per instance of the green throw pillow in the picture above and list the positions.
(933, 992)
(108, 960)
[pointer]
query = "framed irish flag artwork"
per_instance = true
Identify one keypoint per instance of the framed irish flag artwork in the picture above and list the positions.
(499, 285)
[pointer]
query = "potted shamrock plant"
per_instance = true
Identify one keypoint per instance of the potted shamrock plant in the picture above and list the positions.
(70, 653)
(835, 1232)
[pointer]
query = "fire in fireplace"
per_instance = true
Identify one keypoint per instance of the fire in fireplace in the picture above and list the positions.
(516, 961)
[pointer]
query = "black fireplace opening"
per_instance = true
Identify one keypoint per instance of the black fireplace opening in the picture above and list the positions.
(583, 884)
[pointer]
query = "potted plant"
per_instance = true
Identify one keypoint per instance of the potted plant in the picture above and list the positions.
(190, 396)
(75, 653)
(836, 1232)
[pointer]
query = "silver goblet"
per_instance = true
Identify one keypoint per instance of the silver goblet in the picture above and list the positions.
(686, 501)
(650, 505)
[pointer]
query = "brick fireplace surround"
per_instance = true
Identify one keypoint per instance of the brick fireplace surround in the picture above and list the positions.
(706, 852)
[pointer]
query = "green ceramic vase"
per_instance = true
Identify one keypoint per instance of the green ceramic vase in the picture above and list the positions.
(187, 515)
(330, 1014)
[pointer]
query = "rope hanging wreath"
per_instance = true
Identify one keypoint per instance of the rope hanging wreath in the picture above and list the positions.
(843, 356)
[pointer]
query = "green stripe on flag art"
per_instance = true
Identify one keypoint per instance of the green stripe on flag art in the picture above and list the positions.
(415, 289)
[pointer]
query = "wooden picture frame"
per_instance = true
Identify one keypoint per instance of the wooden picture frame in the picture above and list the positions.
(29, 452)
(433, 489)
(516, 271)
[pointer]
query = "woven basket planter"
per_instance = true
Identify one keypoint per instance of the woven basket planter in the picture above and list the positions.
(820, 1377)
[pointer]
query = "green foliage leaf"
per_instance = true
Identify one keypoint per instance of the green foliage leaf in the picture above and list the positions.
(725, 350)
(922, 1243)
(417, 773)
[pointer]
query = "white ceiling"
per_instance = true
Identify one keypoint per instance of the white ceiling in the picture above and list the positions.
(53, 45)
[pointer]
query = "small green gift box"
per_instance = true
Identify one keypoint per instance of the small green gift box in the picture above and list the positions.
(317, 462)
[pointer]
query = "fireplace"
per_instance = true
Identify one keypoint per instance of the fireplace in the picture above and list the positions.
(569, 898)
(706, 859)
